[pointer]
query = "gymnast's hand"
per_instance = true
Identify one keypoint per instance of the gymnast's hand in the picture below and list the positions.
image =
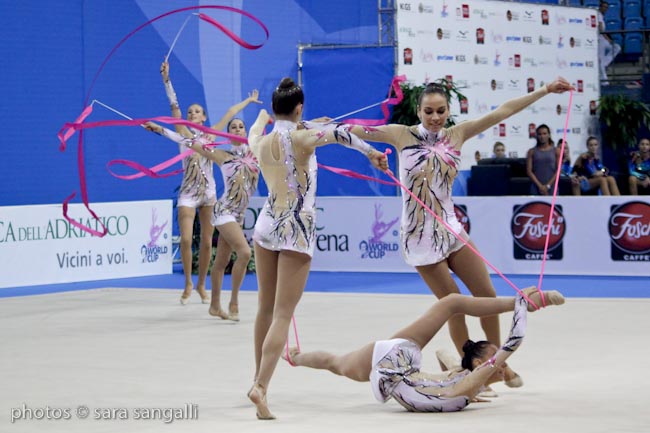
(378, 160)
(164, 71)
(253, 96)
(153, 127)
(559, 86)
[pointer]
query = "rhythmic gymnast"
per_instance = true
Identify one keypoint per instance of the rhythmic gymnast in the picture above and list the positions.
(285, 230)
(393, 366)
(198, 190)
(240, 172)
(429, 157)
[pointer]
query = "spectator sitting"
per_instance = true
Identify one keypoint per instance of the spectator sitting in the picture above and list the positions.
(640, 168)
(567, 171)
(589, 166)
(541, 162)
(499, 150)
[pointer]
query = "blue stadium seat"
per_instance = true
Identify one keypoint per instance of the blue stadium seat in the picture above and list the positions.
(618, 38)
(614, 11)
(633, 23)
(575, 3)
(613, 24)
(631, 8)
(633, 43)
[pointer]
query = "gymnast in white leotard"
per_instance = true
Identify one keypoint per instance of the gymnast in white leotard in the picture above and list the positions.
(240, 171)
(429, 156)
(198, 189)
(393, 366)
(285, 230)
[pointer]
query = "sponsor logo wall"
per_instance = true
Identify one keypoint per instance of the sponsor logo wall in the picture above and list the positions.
(496, 51)
(38, 246)
(589, 235)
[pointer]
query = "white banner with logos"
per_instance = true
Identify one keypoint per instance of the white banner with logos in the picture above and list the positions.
(494, 51)
(38, 246)
(589, 235)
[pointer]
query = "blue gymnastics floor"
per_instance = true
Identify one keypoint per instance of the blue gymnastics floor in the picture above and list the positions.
(385, 283)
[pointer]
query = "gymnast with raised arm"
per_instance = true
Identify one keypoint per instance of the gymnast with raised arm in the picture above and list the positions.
(429, 158)
(285, 230)
(393, 366)
(198, 191)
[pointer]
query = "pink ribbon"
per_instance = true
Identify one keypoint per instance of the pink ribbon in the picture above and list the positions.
(295, 333)
(153, 171)
(175, 11)
(69, 132)
(353, 174)
(233, 36)
(69, 128)
(141, 169)
(555, 190)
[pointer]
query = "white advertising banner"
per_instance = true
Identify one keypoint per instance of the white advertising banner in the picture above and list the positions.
(494, 51)
(589, 235)
(38, 246)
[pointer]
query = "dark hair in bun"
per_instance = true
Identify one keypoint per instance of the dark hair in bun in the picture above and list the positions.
(473, 350)
(286, 96)
(431, 89)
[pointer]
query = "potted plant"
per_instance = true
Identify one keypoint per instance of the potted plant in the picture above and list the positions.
(621, 120)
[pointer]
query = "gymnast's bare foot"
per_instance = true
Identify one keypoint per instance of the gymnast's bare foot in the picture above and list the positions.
(257, 395)
(218, 312)
(551, 297)
(233, 312)
(205, 298)
(512, 379)
(185, 297)
(294, 353)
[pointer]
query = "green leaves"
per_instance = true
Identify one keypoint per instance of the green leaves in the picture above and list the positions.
(623, 117)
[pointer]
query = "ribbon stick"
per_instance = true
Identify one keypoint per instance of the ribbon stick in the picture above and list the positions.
(367, 107)
(171, 47)
(108, 107)
(396, 88)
